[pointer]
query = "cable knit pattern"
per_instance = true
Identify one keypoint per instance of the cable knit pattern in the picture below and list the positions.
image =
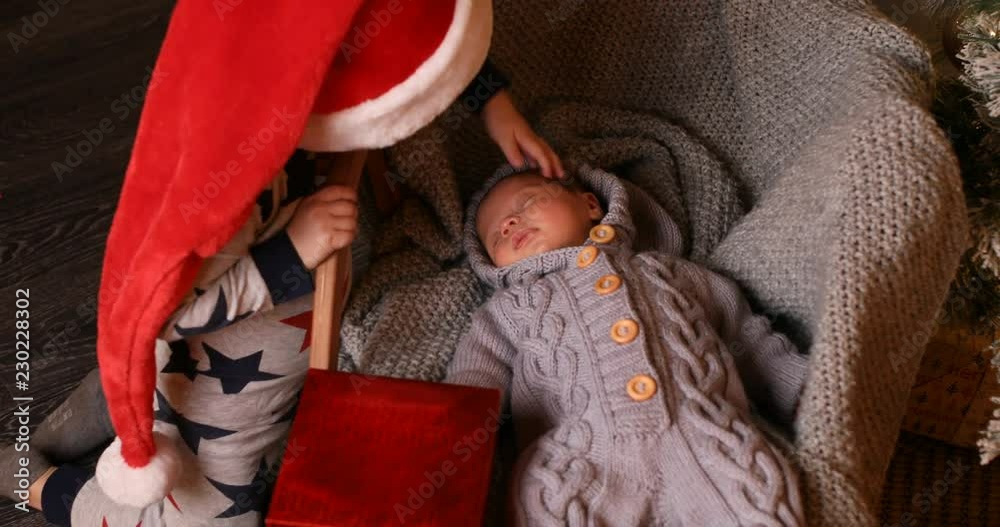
(568, 380)
(550, 367)
(759, 475)
(791, 142)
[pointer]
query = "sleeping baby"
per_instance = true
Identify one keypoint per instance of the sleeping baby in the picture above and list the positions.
(623, 363)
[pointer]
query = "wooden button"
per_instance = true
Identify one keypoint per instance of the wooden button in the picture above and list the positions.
(608, 283)
(602, 233)
(624, 331)
(641, 387)
(586, 256)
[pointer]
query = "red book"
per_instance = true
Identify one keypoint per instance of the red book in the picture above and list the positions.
(373, 451)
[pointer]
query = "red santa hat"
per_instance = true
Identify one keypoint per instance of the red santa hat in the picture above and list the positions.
(235, 89)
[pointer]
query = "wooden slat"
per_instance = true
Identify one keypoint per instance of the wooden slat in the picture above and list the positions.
(333, 275)
(388, 191)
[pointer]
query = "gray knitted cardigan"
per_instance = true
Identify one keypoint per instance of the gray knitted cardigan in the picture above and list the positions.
(818, 180)
(648, 427)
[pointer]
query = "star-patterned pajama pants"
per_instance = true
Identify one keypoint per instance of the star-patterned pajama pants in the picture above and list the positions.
(229, 413)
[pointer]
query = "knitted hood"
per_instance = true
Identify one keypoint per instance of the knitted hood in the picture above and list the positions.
(639, 222)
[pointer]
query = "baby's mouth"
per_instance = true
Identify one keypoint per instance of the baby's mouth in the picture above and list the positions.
(521, 237)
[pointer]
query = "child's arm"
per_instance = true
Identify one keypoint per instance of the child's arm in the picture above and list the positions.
(276, 270)
(271, 274)
(484, 354)
(772, 370)
(506, 125)
(489, 81)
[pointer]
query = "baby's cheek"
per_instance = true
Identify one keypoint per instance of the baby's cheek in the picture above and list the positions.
(569, 229)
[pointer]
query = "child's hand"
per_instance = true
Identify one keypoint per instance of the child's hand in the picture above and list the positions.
(323, 223)
(512, 133)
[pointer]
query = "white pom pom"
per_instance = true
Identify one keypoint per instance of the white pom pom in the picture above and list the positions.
(139, 486)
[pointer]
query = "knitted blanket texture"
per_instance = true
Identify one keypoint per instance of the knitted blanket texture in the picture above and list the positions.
(792, 143)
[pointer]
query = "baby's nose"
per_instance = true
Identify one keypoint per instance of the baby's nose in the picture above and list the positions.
(507, 225)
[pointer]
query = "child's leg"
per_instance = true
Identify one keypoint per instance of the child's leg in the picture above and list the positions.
(93, 508)
(27, 466)
(35, 490)
(69, 495)
(78, 426)
(56, 492)
(50, 489)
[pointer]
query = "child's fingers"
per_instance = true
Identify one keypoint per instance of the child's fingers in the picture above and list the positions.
(534, 148)
(512, 151)
(336, 192)
(554, 162)
(557, 166)
(339, 239)
(341, 208)
(341, 224)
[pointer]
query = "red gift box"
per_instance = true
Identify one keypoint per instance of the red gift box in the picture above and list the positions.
(372, 451)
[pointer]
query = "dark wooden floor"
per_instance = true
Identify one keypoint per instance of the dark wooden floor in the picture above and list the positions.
(58, 85)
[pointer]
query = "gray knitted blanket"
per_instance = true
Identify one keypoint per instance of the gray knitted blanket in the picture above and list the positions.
(810, 172)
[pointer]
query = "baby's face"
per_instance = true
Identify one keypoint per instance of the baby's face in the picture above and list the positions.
(528, 214)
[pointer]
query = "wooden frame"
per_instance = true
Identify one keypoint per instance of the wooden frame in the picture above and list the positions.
(333, 276)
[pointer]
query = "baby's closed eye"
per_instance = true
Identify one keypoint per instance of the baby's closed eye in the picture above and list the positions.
(533, 203)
